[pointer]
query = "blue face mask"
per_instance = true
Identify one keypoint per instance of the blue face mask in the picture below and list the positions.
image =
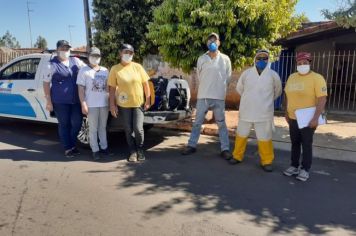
(213, 47)
(261, 64)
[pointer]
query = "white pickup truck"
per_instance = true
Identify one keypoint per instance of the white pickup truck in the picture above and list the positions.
(22, 96)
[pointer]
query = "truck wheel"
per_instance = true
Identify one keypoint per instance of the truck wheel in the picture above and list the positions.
(83, 136)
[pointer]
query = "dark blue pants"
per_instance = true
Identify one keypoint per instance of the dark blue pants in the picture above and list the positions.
(69, 118)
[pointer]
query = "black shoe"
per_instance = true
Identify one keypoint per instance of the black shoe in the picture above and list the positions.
(140, 155)
(233, 161)
(226, 155)
(75, 151)
(188, 150)
(69, 154)
(267, 168)
(132, 157)
(96, 156)
(105, 152)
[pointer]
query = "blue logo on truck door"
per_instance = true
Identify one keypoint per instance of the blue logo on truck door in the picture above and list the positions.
(14, 104)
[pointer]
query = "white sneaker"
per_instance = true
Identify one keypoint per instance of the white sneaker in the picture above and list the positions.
(291, 171)
(303, 175)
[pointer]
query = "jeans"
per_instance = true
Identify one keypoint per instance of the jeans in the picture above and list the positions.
(218, 107)
(133, 125)
(69, 118)
(301, 138)
(98, 118)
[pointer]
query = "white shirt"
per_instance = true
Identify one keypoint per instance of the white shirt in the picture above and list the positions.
(95, 83)
(214, 74)
(258, 93)
(48, 70)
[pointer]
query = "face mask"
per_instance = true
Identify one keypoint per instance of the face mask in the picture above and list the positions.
(127, 58)
(303, 69)
(213, 47)
(94, 60)
(64, 54)
(261, 64)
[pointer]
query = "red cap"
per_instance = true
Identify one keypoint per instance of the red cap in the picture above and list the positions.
(303, 56)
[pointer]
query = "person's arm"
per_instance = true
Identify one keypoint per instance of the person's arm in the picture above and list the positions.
(146, 89)
(199, 65)
(112, 101)
(228, 70)
(81, 92)
(47, 78)
(285, 107)
(112, 84)
(320, 106)
(277, 86)
(321, 94)
(47, 92)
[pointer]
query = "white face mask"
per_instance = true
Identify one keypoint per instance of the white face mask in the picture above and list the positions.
(94, 60)
(127, 58)
(64, 54)
(303, 69)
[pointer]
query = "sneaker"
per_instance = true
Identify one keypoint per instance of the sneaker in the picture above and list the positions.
(226, 155)
(69, 154)
(267, 168)
(303, 175)
(75, 151)
(140, 155)
(291, 171)
(132, 157)
(96, 156)
(233, 161)
(188, 150)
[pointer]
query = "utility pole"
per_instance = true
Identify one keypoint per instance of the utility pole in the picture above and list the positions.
(29, 20)
(87, 24)
(70, 33)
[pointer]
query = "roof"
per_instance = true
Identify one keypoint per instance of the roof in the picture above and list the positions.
(314, 31)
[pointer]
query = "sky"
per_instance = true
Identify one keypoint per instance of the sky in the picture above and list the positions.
(58, 19)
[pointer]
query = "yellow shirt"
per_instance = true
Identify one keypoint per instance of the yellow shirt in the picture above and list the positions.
(128, 81)
(302, 91)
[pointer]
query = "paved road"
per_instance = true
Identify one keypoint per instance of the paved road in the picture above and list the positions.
(42, 193)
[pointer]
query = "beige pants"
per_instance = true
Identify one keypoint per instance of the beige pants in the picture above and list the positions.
(263, 129)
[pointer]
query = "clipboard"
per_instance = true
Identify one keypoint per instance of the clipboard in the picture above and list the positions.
(305, 115)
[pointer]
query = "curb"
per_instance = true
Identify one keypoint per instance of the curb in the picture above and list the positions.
(318, 151)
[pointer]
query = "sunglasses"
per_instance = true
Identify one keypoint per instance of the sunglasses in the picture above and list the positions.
(261, 58)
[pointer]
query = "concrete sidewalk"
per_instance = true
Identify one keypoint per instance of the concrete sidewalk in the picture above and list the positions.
(334, 141)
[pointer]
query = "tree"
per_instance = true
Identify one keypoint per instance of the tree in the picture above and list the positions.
(345, 15)
(41, 43)
(7, 40)
(122, 21)
(180, 28)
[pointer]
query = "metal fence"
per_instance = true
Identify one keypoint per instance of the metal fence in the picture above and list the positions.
(339, 71)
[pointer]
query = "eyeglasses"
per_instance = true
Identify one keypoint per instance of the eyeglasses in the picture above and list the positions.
(261, 58)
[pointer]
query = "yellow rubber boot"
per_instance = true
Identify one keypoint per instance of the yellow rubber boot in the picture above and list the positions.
(265, 149)
(240, 148)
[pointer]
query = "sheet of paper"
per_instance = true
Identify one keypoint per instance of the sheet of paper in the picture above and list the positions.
(305, 115)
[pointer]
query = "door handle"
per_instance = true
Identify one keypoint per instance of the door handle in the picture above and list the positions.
(31, 90)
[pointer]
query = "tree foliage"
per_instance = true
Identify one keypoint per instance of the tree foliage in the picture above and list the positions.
(122, 21)
(345, 15)
(180, 28)
(41, 43)
(7, 40)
